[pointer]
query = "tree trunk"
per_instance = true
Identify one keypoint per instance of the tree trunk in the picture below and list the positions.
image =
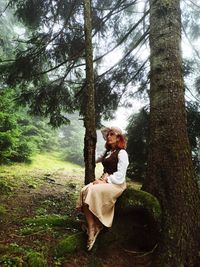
(170, 175)
(89, 118)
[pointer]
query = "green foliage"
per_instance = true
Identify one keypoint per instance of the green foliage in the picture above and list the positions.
(12, 145)
(137, 132)
(11, 261)
(27, 259)
(36, 259)
(48, 67)
(5, 186)
(193, 123)
(15, 248)
(41, 135)
(138, 140)
(20, 134)
(7, 32)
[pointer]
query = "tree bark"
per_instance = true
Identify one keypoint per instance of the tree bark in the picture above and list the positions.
(89, 118)
(170, 175)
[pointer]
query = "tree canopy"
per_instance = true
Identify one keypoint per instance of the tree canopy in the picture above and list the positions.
(49, 67)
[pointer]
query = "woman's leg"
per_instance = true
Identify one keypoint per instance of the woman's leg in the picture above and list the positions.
(90, 218)
(94, 226)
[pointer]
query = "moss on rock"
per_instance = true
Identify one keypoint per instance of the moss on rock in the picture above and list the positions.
(133, 199)
(136, 223)
(137, 219)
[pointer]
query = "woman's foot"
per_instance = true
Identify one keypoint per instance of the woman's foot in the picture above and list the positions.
(94, 232)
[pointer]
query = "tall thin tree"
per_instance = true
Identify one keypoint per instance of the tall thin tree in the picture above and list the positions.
(170, 174)
(89, 116)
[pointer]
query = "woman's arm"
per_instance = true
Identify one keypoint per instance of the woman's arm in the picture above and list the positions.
(100, 157)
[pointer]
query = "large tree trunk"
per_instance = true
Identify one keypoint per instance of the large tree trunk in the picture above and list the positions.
(170, 175)
(89, 118)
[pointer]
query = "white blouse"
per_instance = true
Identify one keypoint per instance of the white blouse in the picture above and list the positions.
(119, 176)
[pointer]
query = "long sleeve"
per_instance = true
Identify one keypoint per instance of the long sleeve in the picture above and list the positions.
(100, 157)
(119, 176)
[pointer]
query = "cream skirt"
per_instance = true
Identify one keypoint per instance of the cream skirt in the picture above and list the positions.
(101, 199)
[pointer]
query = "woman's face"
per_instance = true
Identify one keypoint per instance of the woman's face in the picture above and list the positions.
(112, 138)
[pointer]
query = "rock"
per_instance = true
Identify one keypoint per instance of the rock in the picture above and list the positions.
(137, 219)
(136, 225)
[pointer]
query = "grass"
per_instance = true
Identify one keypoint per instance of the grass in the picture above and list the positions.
(42, 207)
(46, 161)
(41, 164)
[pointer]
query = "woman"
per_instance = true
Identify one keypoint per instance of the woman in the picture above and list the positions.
(97, 199)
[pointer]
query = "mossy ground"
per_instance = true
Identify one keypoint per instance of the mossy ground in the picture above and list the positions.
(39, 222)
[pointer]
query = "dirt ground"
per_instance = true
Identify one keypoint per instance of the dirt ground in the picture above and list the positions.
(55, 194)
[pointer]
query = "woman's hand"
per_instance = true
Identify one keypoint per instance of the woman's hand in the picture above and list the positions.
(98, 181)
(104, 176)
(102, 179)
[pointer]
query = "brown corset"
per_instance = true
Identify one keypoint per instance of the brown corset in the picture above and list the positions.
(110, 163)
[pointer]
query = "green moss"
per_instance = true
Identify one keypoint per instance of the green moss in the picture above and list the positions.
(33, 229)
(52, 220)
(132, 199)
(12, 248)
(35, 259)
(70, 244)
(15, 248)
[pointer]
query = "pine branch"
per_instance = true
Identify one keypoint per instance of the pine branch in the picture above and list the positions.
(40, 48)
(125, 6)
(6, 7)
(197, 99)
(128, 53)
(124, 37)
(195, 50)
(191, 1)
(111, 8)
(121, 41)
(138, 71)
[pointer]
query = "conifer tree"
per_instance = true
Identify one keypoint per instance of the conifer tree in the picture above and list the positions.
(170, 174)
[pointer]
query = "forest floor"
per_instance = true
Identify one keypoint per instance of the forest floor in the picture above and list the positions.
(35, 201)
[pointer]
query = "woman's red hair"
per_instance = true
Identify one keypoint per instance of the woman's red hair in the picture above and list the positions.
(121, 143)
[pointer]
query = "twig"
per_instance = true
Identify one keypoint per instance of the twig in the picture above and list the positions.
(35, 233)
(141, 254)
(7, 6)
